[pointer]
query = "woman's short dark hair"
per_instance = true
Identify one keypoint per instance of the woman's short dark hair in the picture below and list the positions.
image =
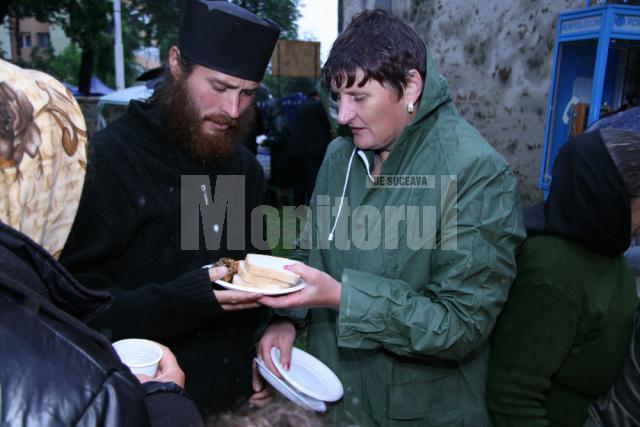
(624, 148)
(382, 46)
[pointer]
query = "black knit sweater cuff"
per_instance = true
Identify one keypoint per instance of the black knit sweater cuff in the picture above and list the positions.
(196, 292)
(167, 405)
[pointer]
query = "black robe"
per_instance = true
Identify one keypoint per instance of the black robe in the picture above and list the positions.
(126, 239)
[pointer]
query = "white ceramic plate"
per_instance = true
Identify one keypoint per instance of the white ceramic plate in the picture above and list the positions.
(228, 285)
(309, 375)
(287, 391)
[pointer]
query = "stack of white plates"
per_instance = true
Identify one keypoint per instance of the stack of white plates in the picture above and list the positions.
(308, 382)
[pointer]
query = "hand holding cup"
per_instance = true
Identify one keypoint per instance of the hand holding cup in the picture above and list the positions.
(150, 361)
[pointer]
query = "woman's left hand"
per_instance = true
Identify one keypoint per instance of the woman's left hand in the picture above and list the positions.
(168, 369)
(322, 290)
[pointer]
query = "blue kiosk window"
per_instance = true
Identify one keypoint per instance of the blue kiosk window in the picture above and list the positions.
(596, 70)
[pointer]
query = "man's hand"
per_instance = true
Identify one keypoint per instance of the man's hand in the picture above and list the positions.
(168, 369)
(262, 392)
(232, 300)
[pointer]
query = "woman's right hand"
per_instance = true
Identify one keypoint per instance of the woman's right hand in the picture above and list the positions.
(280, 334)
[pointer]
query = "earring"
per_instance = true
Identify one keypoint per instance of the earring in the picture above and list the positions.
(410, 107)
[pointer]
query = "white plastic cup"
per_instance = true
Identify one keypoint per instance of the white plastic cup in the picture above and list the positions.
(141, 356)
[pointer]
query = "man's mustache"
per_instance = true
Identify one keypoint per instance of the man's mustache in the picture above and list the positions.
(221, 119)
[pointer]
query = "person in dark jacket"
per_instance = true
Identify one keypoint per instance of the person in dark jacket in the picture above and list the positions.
(153, 175)
(55, 370)
(628, 119)
(564, 331)
(620, 405)
(310, 135)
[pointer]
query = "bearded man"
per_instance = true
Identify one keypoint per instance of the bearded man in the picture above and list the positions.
(128, 236)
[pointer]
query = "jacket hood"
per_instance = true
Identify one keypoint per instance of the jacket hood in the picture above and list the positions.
(588, 202)
(29, 270)
(435, 92)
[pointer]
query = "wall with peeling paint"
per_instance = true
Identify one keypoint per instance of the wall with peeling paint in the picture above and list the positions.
(497, 56)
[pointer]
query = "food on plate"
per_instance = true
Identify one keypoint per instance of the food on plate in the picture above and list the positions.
(239, 281)
(244, 278)
(271, 267)
(259, 271)
(232, 267)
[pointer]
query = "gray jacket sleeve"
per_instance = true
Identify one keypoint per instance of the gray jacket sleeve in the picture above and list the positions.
(633, 256)
(619, 407)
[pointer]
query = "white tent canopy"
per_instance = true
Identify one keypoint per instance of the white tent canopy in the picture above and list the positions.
(121, 97)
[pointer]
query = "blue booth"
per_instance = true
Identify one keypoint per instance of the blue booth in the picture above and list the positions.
(596, 70)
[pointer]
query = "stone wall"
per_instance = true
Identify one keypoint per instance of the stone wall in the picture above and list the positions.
(497, 56)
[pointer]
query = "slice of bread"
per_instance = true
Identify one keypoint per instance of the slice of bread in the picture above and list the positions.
(271, 267)
(258, 281)
(239, 281)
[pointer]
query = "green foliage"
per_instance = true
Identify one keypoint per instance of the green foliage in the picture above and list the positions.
(66, 65)
(85, 22)
(40, 59)
(283, 12)
(104, 64)
(22, 8)
(19, 9)
(161, 19)
(88, 24)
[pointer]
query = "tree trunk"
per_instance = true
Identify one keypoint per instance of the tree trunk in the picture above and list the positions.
(86, 70)
(17, 39)
(4, 11)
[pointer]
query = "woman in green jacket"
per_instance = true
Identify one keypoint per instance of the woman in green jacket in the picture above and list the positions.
(409, 245)
(564, 332)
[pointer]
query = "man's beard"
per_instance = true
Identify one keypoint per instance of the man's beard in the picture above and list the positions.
(185, 125)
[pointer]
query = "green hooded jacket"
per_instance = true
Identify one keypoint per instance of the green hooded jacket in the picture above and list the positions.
(426, 256)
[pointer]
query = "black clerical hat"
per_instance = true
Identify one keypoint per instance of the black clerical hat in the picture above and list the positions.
(227, 38)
